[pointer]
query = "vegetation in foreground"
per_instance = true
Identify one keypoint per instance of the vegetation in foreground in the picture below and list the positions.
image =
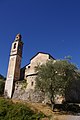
(17, 111)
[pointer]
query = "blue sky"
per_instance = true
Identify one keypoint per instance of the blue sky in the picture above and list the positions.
(51, 26)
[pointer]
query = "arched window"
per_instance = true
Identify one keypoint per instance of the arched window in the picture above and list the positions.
(32, 83)
(14, 46)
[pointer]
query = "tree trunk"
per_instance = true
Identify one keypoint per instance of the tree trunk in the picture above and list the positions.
(52, 105)
(52, 102)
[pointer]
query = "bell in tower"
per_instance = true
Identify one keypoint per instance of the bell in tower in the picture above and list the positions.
(13, 73)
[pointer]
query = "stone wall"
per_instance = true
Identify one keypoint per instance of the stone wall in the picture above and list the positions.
(28, 95)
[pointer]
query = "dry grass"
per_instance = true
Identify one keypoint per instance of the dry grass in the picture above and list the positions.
(40, 107)
(37, 107)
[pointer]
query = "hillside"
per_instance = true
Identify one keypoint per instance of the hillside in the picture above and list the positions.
(1, 77)
(2, 84)
(17, 111)
(20, 110)
(72, 114)
(37, 107)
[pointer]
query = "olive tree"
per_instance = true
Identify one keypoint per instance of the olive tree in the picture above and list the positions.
(55, 77)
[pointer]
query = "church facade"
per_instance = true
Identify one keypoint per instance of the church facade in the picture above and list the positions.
(28, 72)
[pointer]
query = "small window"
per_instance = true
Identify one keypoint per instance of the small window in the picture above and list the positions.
(32, 83)
(28, 66)
(14, 46)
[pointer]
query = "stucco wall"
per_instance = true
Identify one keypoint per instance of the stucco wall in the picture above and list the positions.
(30, 73)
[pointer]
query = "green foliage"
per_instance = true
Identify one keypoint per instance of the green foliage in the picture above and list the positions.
(11, 111)
(68, 57)
(24, 84)
(55, 77)
(2, 83)
(1, 77)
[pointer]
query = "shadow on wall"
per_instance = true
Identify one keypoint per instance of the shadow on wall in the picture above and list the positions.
(72, 94)
(22, 73)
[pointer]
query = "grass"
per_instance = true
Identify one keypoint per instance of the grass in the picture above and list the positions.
(17, 111)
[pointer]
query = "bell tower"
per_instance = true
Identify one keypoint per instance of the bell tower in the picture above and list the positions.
(13, 73)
